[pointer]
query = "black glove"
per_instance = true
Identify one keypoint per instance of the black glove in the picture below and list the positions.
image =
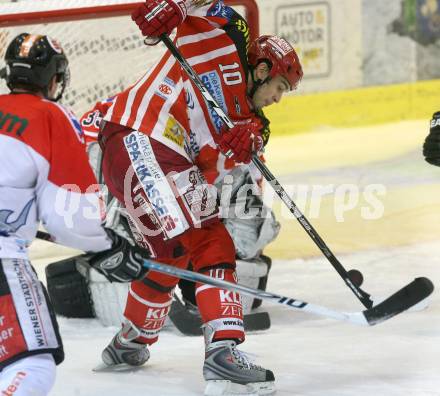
(431, 148)
(122, 262)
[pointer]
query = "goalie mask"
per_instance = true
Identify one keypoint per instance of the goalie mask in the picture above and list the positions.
(32, 61)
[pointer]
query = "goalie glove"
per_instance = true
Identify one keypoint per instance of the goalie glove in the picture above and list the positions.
(431, 147)
(122, 262)
(156, 17)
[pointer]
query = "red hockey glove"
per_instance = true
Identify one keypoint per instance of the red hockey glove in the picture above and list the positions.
(156, 17)
(240, 142)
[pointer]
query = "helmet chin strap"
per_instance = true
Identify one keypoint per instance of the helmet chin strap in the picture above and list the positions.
(256, 83)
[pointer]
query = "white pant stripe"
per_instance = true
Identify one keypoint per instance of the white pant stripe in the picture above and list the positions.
(204, 287)
(149, 303)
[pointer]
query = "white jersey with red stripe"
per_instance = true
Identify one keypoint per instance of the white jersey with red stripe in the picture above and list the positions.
(45, 177)
(165, 104)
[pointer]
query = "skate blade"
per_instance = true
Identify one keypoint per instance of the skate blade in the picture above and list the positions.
(115, 368)
(228, 388)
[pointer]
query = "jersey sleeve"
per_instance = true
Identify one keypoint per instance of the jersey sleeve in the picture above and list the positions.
(235, 27)
(220, 14)
(91, 120)
(69, 204)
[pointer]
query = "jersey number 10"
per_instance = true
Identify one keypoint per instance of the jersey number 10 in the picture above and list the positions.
(231, 77)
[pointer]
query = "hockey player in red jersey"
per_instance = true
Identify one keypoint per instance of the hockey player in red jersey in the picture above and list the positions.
(250, 234)
(162, 149)
(45, 178)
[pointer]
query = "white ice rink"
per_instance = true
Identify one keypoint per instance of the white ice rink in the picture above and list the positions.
(310, 356)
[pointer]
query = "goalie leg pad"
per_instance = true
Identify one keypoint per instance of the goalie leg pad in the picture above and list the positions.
(68, 289)
(109, 299)
(253, 273)
(262, 283)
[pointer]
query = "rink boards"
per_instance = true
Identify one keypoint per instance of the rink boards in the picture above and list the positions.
(351, 159)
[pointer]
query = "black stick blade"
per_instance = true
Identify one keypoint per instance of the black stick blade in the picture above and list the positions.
(405, 298)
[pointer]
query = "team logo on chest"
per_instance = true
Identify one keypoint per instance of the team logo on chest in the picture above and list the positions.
(166, 88)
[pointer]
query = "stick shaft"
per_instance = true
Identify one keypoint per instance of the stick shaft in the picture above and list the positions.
(289, 302)
(363, 297)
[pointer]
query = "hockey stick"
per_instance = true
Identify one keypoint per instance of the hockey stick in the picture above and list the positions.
(402, 300)
(405, 298)
(348, 277)
(189, 322)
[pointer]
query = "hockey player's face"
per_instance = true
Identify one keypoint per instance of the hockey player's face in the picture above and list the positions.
(270, 92)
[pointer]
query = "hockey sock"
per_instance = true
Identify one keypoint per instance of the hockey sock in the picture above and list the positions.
(221, 309)
(147, 309)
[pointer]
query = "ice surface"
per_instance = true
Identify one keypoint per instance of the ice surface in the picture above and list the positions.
(309, 356)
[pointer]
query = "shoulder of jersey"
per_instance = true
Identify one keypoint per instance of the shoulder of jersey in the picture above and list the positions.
(36, 109)
(64, 114)
(220, 10)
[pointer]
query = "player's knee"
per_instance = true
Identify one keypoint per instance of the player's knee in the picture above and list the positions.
(222, 271)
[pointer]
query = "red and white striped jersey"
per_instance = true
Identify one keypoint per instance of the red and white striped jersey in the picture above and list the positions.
(91, 120)
(165, 104)
(45, 177)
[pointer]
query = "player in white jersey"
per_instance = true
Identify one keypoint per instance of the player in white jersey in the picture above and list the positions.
(45, 178)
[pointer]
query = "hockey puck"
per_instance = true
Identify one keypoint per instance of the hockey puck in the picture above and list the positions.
(356, 277)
